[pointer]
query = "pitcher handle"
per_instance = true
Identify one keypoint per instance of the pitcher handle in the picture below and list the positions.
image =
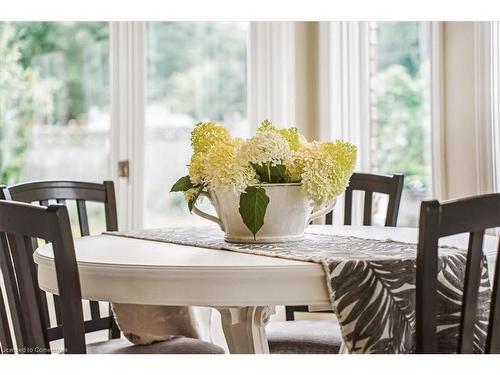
(204, 215)
(322, 211)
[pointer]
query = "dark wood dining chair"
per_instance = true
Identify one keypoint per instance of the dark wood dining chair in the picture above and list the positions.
(20, 223)
(369, 184)
(471, 215)
(42, 192)
(6, 346)
(324, 336)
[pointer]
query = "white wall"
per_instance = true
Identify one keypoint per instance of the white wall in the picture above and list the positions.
(460, 110)
(306, 79)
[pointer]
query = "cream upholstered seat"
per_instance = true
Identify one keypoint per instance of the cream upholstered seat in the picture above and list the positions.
(304, 337)
(178, 345)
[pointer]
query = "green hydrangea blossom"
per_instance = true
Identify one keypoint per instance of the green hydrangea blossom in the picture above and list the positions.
(207, 134)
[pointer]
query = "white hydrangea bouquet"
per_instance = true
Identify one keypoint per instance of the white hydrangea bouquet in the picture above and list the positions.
(247, 176)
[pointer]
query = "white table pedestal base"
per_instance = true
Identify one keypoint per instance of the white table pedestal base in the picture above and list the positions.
(244, 328)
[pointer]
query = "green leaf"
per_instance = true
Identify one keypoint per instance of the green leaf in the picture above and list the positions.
(278, 173)
(269, 174)
(193, 200)
(253, 206)
(182, 184)
(261, 172)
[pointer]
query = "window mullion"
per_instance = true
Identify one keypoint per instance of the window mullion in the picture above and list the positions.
(271, 81)
(127, 72)
(437, 114)
(343, 77)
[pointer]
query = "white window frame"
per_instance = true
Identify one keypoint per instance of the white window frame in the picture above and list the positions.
(488, 46)
(270, 94)
(343, 74)
(438, 155)
(127, 85)
(485, 114)
(494, 45)
(487, 76)
(271, 81)
(344, 103)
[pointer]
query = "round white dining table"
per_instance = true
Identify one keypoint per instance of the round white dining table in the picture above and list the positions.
(243, 287)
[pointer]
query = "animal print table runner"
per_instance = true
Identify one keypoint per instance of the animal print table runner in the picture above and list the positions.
(371, 284)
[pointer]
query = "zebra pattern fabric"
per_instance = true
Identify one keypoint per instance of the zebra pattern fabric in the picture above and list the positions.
(371, 284)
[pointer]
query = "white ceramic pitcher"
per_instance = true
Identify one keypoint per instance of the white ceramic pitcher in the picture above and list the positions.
(288, 213)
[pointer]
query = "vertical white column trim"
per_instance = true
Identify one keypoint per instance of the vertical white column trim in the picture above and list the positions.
(343, 77)
(487, 126)
(438, 157)
(271, 72)
(364, 93)
(127, 80)
(138, 126)
(343, 91)
(495, 100)
(325, 77)
(483, 118)
(117, 117)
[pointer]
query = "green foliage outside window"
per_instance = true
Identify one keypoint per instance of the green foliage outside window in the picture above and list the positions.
(198, 68)
(25, 48)
(71, 40)
(403, 104)
(15, 107)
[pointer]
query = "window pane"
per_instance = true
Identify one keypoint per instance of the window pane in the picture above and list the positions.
(196, 72)
(54, 102)
(57, 114)
(400, 117)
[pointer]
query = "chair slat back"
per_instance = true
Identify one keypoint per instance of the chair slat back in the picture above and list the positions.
(19, 223)
(493, 335)
(6, 345)
(61, 191)
(83, 218)
(42, 192)
(21, 252)
(471, 288)
(369, 184)
(12, 294)
(471, 215)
